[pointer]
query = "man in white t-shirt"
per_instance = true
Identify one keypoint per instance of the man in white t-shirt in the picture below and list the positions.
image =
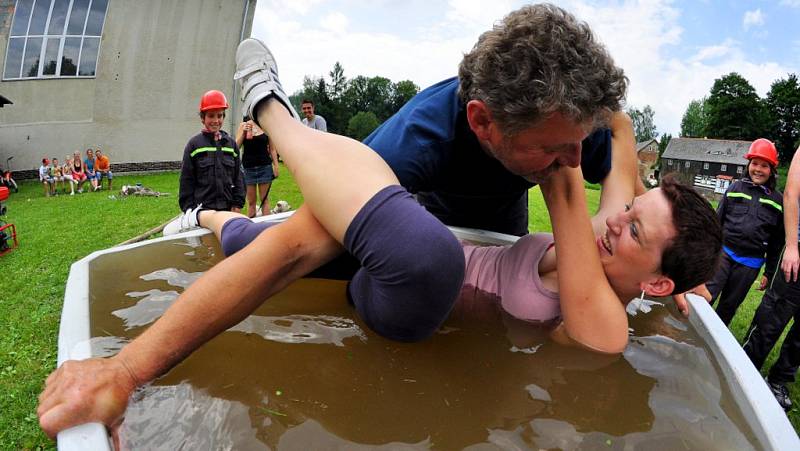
(312, 120)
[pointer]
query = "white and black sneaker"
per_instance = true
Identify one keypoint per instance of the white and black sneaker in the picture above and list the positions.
(257, 73)
(186, 221)
(781, 393)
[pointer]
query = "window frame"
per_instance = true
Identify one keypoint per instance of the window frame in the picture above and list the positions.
(46, 38)
(723, 167)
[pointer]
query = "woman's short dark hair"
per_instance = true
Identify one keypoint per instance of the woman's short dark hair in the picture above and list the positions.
(692, 256)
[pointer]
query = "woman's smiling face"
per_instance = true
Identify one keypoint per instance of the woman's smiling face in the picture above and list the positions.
(634, 242)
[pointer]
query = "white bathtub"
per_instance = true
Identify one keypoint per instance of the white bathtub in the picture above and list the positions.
(762, 413)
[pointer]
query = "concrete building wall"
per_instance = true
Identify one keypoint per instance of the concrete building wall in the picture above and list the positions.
(156, 59)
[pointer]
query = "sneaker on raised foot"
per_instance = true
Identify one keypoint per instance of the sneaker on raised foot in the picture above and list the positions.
(257, 73)
(781, 393)
(186, 221)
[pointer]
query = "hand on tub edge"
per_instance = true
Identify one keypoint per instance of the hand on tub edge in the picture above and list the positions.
(85, 391)
(683, 304)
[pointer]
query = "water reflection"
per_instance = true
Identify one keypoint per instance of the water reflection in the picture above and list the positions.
(301, 329)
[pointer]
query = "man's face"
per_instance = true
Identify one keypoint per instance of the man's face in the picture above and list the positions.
(635, 239)
(99, 153)
(536, 152)
(308, 110)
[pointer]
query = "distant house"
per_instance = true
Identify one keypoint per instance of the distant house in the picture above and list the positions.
(647, 153)
(710, 165)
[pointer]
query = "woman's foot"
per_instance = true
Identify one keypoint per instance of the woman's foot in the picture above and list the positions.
(257, 73)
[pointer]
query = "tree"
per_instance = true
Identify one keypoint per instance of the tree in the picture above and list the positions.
(341, 100)
(734, 110)
(643, 126)
(663, 143)
(361, 125)
(355, 96)
(403, 91)
(783, 103)
(338, 82)
(693, 124)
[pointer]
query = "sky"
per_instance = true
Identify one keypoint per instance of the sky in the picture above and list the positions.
(671, 51)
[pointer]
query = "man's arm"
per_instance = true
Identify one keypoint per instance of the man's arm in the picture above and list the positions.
(593, 314)
(791, 196)
(98, 389)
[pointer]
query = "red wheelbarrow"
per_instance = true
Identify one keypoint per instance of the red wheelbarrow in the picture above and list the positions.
(8, 233)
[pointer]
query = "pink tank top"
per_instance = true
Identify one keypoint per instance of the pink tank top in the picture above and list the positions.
(511, 273)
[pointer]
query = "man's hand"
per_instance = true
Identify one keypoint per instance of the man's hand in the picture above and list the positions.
(683, 304)
(763, 284)
(790, 264)
(86, 391)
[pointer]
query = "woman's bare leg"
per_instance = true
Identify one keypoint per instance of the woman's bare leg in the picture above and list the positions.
(251, 201)
(215, 220)
(337, 175)
(263, 193)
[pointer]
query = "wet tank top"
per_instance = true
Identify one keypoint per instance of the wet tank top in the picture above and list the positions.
(511, 273)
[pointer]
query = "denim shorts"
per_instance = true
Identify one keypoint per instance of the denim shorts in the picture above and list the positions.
(258, 174)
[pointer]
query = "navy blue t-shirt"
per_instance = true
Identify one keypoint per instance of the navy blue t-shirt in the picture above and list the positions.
(434, 153)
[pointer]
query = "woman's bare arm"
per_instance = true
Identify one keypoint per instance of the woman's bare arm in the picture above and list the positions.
(593, 314)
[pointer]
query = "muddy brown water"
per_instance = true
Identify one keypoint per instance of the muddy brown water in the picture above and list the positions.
(304, 373)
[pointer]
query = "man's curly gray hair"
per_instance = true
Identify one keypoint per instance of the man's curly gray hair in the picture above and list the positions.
(541, 60)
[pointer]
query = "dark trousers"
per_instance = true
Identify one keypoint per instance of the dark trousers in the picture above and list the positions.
(780, 304)
(733, 280)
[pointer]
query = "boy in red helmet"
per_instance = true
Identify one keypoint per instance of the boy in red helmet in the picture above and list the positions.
(211, 177)
(751, 214)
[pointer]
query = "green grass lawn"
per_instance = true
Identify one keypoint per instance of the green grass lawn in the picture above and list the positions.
(54, 232)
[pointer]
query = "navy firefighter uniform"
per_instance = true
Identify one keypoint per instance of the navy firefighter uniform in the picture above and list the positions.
(211, 173)
(752, 229)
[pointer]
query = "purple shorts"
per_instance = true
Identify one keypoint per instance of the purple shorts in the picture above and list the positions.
(408, 266)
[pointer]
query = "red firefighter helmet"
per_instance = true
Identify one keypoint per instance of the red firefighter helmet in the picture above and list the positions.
(213, 100)
(764, 149)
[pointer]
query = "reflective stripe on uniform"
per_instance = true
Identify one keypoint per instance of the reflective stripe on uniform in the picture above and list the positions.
(771, 203)
(213, 149)
(742, 195)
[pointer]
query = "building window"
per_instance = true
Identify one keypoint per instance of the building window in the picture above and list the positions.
(705, 165)
(54, 38)
(669, 162)
(723, 167)
(739, 169)
(687, 164)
